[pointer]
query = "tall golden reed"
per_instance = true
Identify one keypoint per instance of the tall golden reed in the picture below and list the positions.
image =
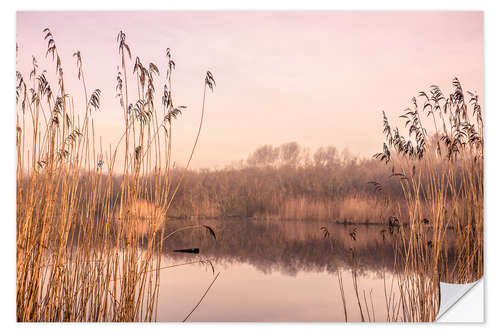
(79, 255)
(441, 174)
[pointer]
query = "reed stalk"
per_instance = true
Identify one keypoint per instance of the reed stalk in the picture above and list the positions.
(80, 255)
(440, 169)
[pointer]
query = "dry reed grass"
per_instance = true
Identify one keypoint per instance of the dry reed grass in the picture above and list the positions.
(300, 191)
(443, 173)
(347, 190)
(441, 176)
(74, 261)
(352, 209)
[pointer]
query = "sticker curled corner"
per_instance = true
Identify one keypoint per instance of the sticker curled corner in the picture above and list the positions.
(451, 293)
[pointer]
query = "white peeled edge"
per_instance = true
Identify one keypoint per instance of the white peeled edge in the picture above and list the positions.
(451, 294)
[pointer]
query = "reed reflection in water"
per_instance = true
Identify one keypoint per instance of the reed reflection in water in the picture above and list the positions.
(279, 271)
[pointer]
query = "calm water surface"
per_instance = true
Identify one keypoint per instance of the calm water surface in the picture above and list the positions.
(276, 271)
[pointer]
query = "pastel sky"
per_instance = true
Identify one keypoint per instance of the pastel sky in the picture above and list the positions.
(315, 77)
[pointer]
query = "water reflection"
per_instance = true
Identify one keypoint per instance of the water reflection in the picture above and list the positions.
(276, 271)
(288, 247)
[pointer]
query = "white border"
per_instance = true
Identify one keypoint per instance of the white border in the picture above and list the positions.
(7, 132)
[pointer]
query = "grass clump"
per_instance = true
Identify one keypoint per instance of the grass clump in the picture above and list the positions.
(441, 175)
(80, 256)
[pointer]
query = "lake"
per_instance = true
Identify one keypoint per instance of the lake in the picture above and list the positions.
(278, 271)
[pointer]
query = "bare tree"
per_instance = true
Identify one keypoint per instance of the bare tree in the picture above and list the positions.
(326, 157)
(290, 154)
(265, 155)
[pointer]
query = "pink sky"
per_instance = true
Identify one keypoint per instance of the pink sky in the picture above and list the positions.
(318, 78)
